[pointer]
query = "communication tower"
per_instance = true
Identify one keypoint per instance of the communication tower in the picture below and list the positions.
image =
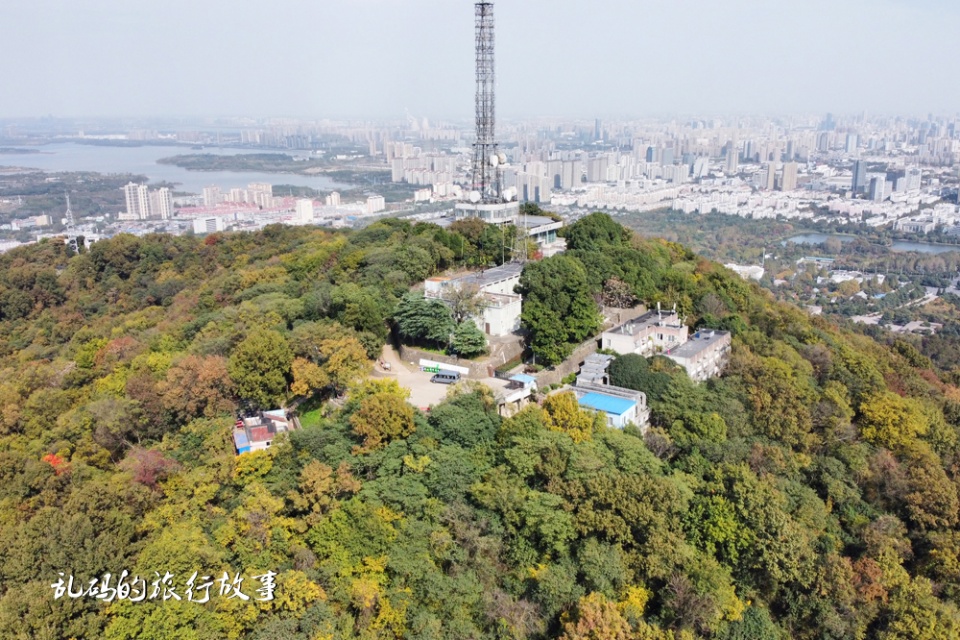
(72, 240)
(487, 199)
(486, 155)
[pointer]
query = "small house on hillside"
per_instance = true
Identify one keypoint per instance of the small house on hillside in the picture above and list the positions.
(652, 333)
(704, 355)
(257, 432)
(501, 306)
(621, 406)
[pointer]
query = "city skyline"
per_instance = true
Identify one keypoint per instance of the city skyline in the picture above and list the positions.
(382, 58)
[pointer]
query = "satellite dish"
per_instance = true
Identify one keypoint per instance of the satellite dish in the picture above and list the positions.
(475, 197)
(509, 194)
(494, 160)
(502, 157)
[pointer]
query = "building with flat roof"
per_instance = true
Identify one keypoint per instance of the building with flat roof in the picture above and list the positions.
(704, 355)
(652, 333)
(620, 411)
(490, 212)
(501, 305)
(622, 406)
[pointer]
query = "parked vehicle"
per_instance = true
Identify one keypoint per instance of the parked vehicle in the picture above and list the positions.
(446, 377)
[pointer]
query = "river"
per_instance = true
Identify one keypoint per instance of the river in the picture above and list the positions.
(143, 160)
(897, 245)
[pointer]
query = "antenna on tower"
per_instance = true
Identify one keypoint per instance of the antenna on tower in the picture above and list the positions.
(486, 156)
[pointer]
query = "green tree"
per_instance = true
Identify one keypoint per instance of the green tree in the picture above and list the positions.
(260, 365)
(595, 232)
(891, 421)
(382, 417)
(565, 415)
(419, 319)
(596, 619)
(558, 309)
(468, 340)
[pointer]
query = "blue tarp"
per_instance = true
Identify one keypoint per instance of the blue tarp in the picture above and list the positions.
(608, 404)
(523, 378)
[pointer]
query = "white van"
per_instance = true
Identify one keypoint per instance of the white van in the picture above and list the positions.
(446, 377)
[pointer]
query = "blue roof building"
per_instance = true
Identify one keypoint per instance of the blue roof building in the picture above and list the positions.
(619, 411)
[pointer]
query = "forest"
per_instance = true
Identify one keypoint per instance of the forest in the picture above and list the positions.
(810, 492)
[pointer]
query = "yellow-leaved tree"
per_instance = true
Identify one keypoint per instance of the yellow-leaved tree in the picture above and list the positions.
(565, 415)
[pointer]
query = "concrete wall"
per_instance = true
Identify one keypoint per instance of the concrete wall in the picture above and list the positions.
(412, 354)
(568, 366)
(611, 317)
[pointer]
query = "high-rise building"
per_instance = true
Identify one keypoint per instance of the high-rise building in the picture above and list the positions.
(333, 200)
(701, 167)
(853, 141)
(823, 142)
(912, 177)
(376, 204)
(733, 158)
(572, 175)
(791, 151)
(161, 203)
(260, 194)
(878, 187)
(137, 197)
(211, 196)
(770, 177)
(859, 183)
(130, 195)
(789, 180)
(304, 211)
(132, 200)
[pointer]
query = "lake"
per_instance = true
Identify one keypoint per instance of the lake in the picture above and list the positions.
(143, 160)
(898, 245)
(817, 238)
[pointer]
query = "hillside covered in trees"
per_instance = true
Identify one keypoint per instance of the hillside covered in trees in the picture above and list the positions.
(810, 492)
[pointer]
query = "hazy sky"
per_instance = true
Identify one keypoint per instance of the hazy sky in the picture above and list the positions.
(367, 58)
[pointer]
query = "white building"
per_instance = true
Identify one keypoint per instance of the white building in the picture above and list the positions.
(652, 333)
(161, 203)
(747, 271)
(376, 204)
(138, 201)
(208, 225)
(501, 305)
(304, 211)
(212, 196)
(621, 406)
(704, 355)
